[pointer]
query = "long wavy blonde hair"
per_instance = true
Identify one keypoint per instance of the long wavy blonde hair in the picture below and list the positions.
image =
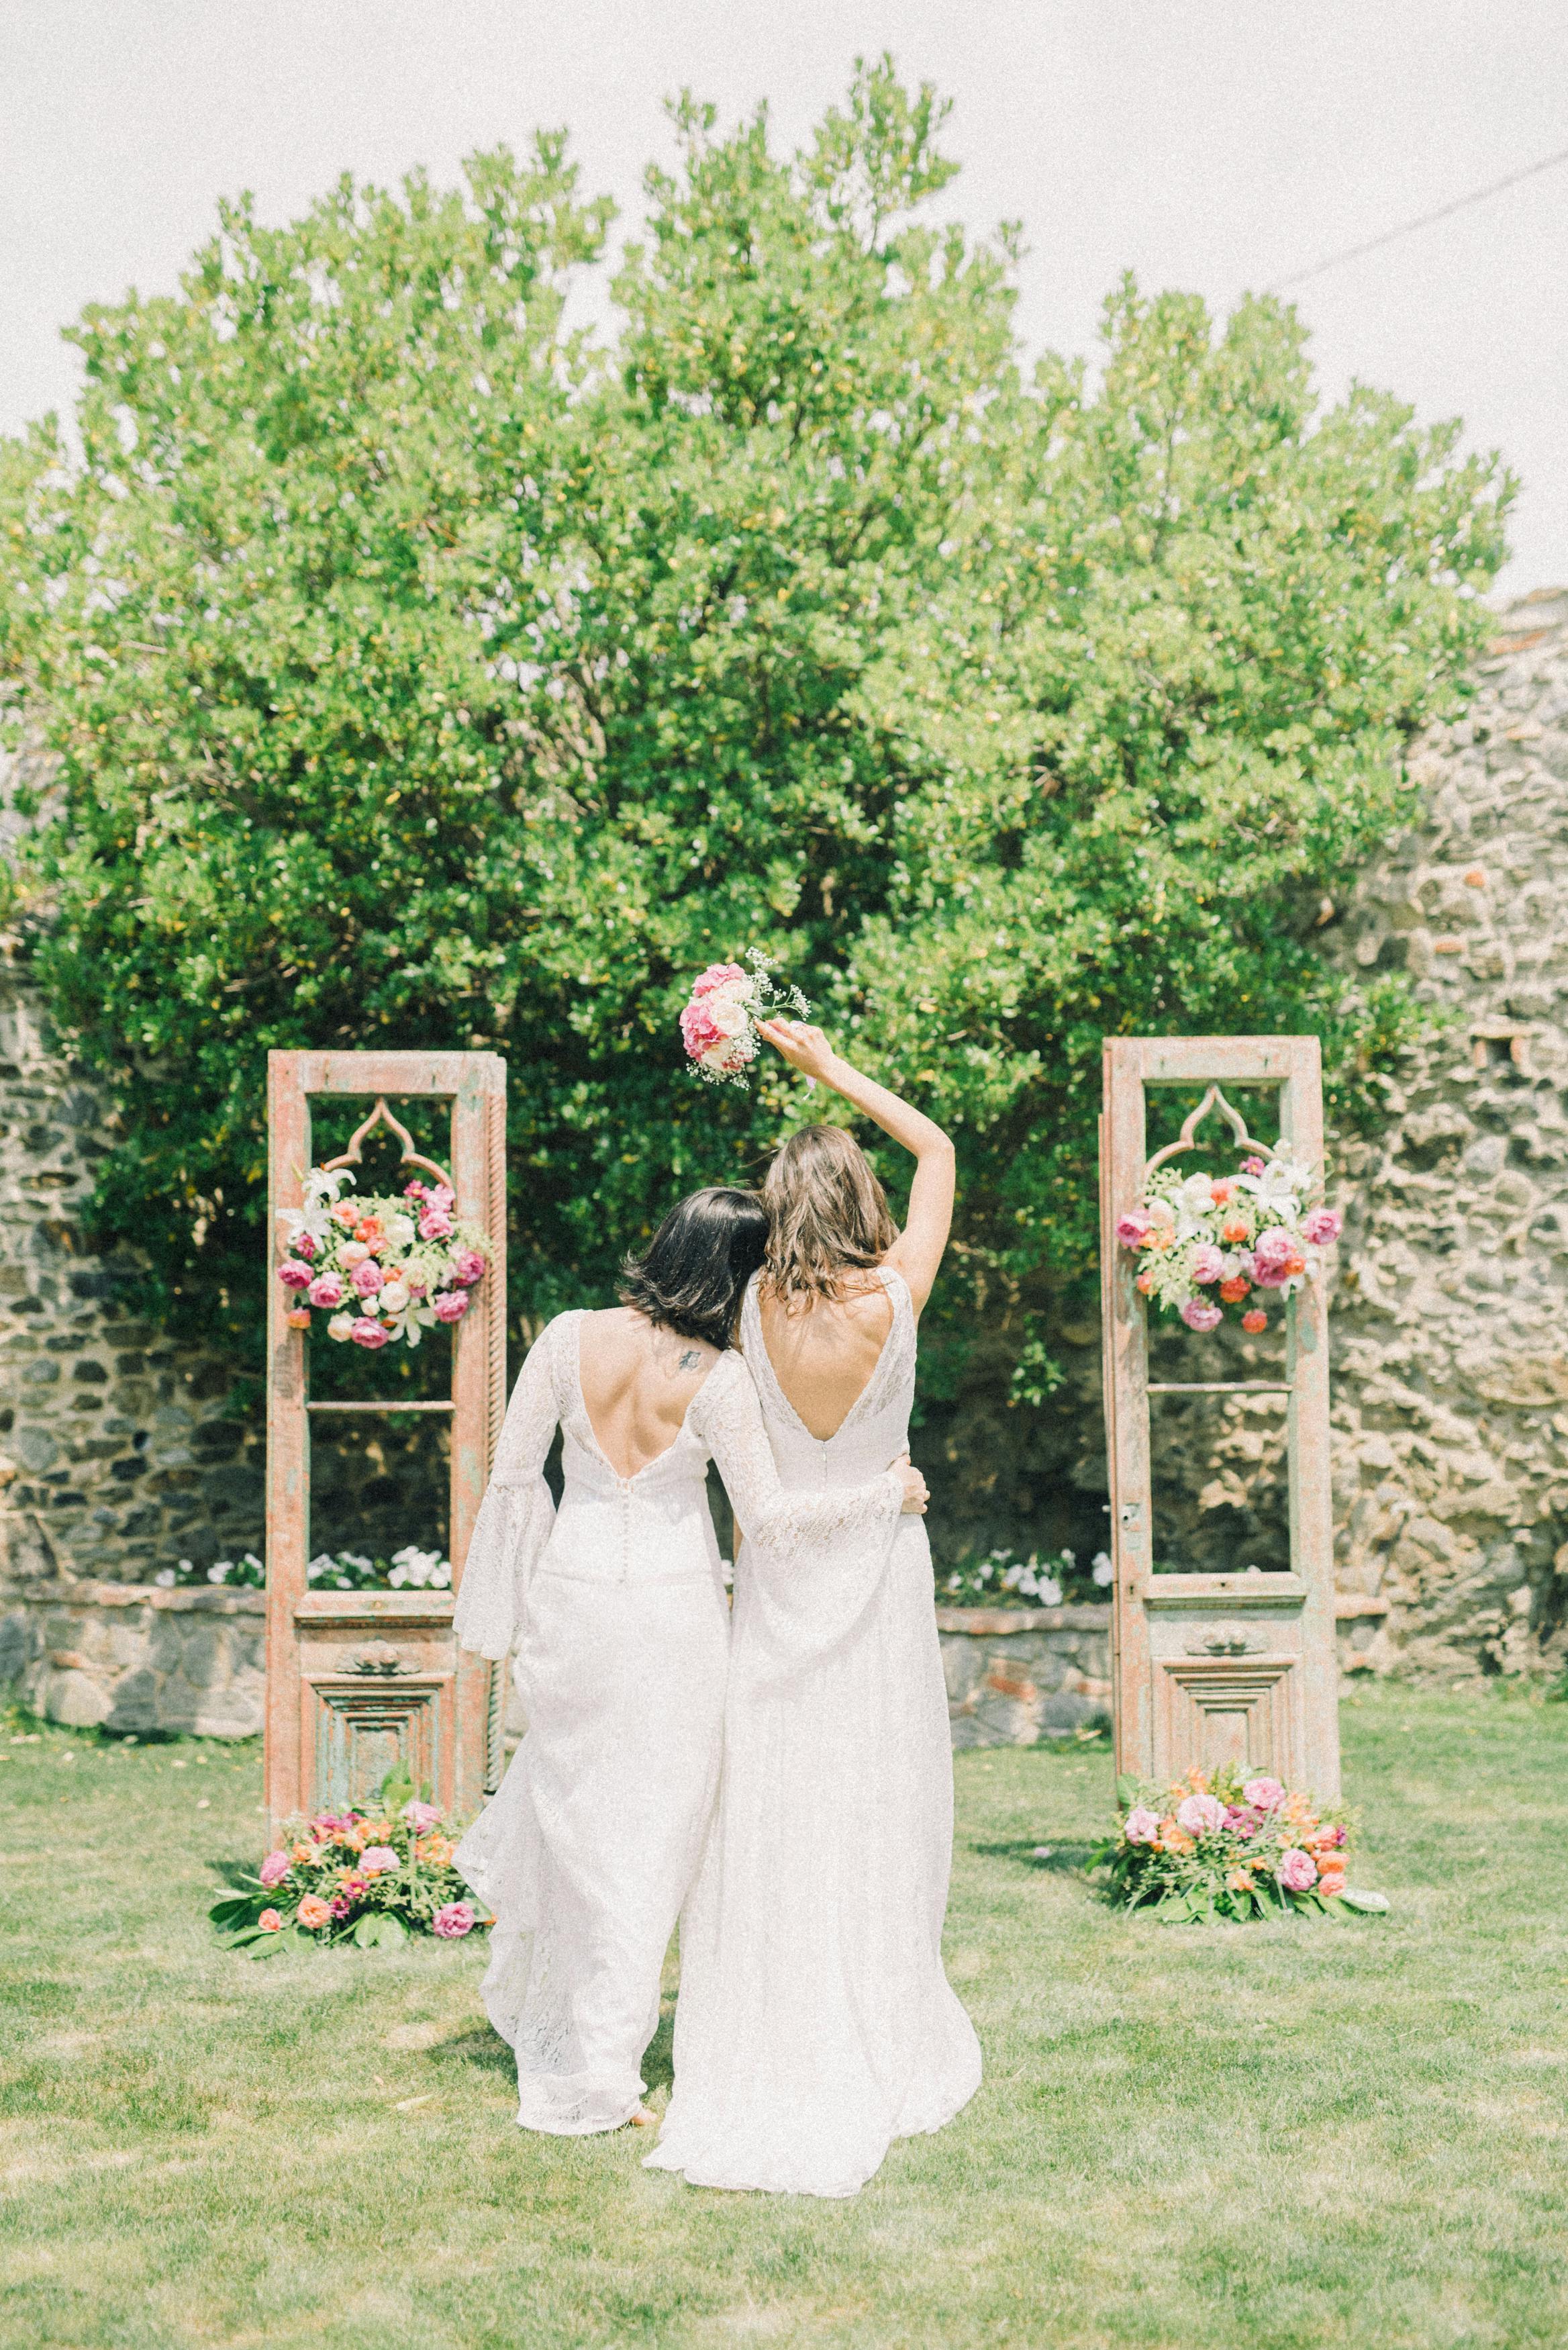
(827, 1215)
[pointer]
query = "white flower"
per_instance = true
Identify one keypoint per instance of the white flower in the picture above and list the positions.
(1197, 1192)
(729, 1015)
(1050, 1593)
(400, 1231)
(1161, 1211)
(219, 1570)
(1102, 1570)
(341, 1325)
(166, 1575)
(394, 1297)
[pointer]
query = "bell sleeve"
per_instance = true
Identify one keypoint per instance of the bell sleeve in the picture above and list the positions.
(814, 1561)
(518, 1512)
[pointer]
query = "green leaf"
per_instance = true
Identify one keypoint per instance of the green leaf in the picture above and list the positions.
(1372, 1905)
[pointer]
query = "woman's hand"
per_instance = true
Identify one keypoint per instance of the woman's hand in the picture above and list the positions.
(915, 1493)
(803, 1047)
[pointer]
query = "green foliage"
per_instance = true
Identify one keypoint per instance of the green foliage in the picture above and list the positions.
(420, 675)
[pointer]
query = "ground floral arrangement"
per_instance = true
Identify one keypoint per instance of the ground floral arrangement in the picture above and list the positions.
(380, 1270)
(727, 1006)
(1230, 1844)
(1208, 1241)
(369, 1877)
(409, 1569)
(1002, 1579)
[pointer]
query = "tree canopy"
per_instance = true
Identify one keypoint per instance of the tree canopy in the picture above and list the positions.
(420, 672)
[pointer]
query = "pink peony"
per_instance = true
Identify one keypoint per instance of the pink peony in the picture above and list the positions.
(273, 1870)
(1263, 1794)
(1133, 1229)
(697, 1032)
(303, 1246)
(718, 974)
(435, 1224)
(270, 1922)
(1207, 1264)
(326, 1290)
(368, 1278)
(293, 1275)
(1273, 1246)
(378, 1859)
(1198, 1315)
(422, 1817)
(456, 1918)
(469, 1267)
(369, 1334)
(1296, 1870)
(1200, 1815)
(450, 1305)
(1323, 1224)
(1141, 1825)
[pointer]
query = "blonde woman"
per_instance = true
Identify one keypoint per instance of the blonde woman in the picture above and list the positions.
(815, 2022)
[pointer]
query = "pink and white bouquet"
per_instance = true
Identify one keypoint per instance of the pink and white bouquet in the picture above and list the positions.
(1208, 1241)
(380, 1270)
(1230, 1842)
(367, 1876)
(724, 1011)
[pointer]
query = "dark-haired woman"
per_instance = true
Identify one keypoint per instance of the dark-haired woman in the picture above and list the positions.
(614, 1604)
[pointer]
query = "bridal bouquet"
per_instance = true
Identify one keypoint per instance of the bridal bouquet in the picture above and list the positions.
(380, 1269)
(724, 1011)
(361, 1876)
(1206, 1241)
(1230, 1844)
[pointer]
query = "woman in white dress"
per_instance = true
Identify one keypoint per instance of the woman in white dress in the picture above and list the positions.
(617, 1607)
(815, 2022)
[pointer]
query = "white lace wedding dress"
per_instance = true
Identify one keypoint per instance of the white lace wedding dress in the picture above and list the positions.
(815, 2022)
(617, 1607)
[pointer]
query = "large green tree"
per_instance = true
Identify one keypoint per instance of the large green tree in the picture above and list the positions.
(419, 672)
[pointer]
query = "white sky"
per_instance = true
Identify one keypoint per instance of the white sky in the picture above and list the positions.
(1208, 144)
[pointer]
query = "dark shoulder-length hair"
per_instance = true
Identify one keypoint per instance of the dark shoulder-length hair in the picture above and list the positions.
(692, 1274)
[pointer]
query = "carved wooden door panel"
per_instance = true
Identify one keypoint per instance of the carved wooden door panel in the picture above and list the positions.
(1211, 1667)
(357, 1681)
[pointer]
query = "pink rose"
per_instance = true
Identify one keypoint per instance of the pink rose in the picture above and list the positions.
(303, 1246)
(1200, 1815)
(456, 1918)
(326, 1290)
(1141, 1825)
(699, 1032)
(1323, 1226)
(270, 1922)
(1198, 1315)
(1296, 1870)
(273, 1870)
(1207, 1264)
(378, 1859)
(469, 1267)
(435, 1224)
(369, 1334)
(368, 1278)
(293, 1275)
(718, 974)
(1274, 1243)
(1263, 1794)
(450, 1305)
(422, 1817)
(1133, 1229)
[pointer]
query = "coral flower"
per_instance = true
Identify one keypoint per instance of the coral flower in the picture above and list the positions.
(1145, 1281)
(1176, 1840)
(346, 1213)
(1233, 1229)
(1239, 1880)
(1234, 1290)
(314, 1913)
(298, 1317)
(1255, 1321)
(1221, 1190)
(270, 1922)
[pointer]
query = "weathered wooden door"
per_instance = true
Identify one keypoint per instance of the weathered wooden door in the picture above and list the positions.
(1209, 1667)
(359, 1679)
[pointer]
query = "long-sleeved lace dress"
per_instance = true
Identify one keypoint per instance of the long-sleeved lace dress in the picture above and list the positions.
(617, 1607)
(814, 2021)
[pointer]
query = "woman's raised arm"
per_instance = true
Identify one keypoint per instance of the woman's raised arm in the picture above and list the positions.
(916, 1252)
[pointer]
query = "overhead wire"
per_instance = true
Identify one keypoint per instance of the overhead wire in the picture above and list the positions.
(1407, 228)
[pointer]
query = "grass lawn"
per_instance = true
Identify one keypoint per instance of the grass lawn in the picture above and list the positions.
(1281, 2134)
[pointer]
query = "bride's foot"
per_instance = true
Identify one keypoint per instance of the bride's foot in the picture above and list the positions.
(644, 2118)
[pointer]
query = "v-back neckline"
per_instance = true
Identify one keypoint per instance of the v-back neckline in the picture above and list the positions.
(588, 1419)
(888, 1275)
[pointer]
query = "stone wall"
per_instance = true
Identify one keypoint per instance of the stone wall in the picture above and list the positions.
(131, 1659)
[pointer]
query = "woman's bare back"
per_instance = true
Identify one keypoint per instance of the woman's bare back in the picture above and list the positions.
(638, 1383)
(824, 1351)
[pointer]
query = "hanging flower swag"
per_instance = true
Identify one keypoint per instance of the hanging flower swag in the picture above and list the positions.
(380, 1269)
(1208, 1241)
